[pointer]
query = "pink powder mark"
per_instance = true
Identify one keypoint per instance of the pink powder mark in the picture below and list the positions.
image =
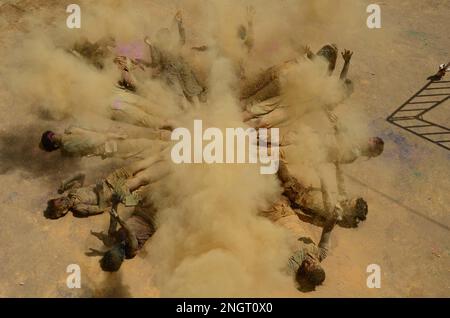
(273, 46)
(117, 104)
(134, 50)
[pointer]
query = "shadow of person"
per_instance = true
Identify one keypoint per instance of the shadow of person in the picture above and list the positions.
(111, 287)
(20, 151)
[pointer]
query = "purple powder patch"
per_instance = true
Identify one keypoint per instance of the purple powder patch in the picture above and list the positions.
(117, 104)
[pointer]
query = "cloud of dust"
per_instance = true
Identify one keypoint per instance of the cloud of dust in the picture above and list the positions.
(207, 244)
(50, 81)
(210, 241)
(307, 89)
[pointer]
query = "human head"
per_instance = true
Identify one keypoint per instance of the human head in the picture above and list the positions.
(310, 274)
(242, 32)
(58, 207)
(48, 142)
(330, 53)
(354, 211)
(113, 259)
(374, 147)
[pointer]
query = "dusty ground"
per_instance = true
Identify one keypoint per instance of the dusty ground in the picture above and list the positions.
(407, 231)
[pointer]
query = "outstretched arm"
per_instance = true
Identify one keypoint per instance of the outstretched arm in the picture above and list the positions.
(74, 181)
(155, 56)
(332, 217)
(130, 235)
(250, 37)
(85, 210)
(325, 196)
(112, 220)
(340, 182)
(347, 56)
(324, 244)
(181, 31)
(101, 197)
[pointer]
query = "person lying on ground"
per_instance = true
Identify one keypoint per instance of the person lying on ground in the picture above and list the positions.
(91, 200)
(131, 236)
(81, 142)
(315, 202)
(304, 263)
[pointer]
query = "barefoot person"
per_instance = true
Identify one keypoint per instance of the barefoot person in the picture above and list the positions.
(131, 236)
(91, 200)
(304, 263)
(314, 203)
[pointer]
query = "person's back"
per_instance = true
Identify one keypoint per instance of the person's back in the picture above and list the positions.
(141, 223)
(134, 232)
(80, 142)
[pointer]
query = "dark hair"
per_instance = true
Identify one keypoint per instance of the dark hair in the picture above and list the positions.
(329, 52)
(361, 209)
(47, 142)
(126, 85)
(355, 210)
(310, 276)
(112, 260)
(378, 146)
(54, 210)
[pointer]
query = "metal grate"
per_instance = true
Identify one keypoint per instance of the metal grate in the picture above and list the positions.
(409, 116)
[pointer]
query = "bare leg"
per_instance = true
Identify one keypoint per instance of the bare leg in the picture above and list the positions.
(181, 31)
(143, 164)
(148, 175)
(112, 227)
(346, 55)
(250, 38)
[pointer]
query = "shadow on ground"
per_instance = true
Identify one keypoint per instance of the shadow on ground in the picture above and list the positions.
(19, 150)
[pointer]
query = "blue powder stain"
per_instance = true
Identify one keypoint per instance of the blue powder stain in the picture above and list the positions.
(404, 149)
(11, 197)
